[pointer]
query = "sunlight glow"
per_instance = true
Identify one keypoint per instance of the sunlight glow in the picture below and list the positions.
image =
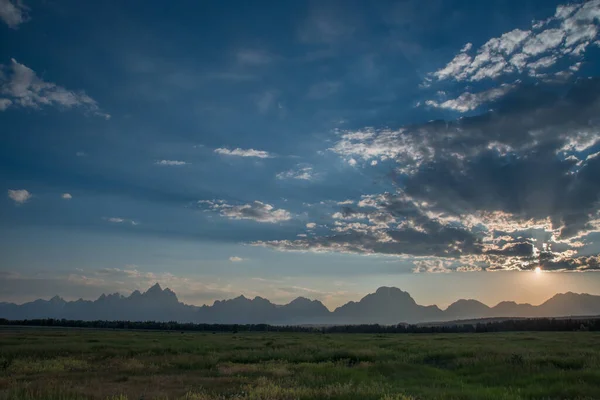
(538, 270)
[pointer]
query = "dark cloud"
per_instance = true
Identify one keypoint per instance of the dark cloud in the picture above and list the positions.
(589, 263)
(512, 188)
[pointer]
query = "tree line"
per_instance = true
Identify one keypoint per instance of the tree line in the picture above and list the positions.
(513, 325)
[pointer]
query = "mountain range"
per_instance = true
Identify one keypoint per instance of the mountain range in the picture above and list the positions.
(388, 305)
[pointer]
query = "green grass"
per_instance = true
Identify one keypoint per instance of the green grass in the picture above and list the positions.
(125, 365)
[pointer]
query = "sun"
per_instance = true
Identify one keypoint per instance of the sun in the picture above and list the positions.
(538, 270)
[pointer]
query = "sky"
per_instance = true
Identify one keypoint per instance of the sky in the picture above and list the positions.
(284, 149)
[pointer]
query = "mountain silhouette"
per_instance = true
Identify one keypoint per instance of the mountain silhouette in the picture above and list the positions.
(388, 305)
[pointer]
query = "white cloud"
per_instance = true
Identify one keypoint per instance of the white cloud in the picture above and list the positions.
(171, 162)
(311, 225)
(118, 220)
(542, 63)
(566, 34)
(66, 196)
(80, 154)
(543, 41)
(256, 211)
(455, 68)
(368, 144)
(244, 153)
(13, 13)
(236, 259)
(303, 173)
(470, 101)
(19, 196)
(23, 88)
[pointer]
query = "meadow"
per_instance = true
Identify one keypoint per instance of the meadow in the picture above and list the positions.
(50, 363)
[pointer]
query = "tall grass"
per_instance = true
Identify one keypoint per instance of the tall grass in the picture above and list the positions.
(70, 364)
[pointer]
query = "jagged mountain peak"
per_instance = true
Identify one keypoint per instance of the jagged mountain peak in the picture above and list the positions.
(387, 305)
(154, 289)
(57, 300)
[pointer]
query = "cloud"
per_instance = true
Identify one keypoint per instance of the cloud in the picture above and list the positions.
(253, 57)
(302, 173)
(23, 88)
(118, 220)
(236, 259)
(19, 196)
(470, 101)
(434, 241)
(13, 12)
(311, 225)
(542, 63)
(81, 154)
(510, 189)
(256, 211)
(567, 34)
(66, 196)
(244, 153)
(4, 104)
(532, 117)
(171, 163)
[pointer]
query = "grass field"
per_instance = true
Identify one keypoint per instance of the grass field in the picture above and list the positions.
(95, 364)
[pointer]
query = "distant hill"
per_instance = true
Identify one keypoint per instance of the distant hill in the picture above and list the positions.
(388, 305)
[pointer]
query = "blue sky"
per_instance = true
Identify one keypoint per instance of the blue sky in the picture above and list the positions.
(303, 148)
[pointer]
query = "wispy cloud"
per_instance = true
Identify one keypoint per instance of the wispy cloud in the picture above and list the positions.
(236, 259)
(19, 196)
(170, 162)
(66, 196)
(243, 152)
(301, 173)
(266, 101)
(256, 211)
(470, 101)
(13, 13)
(253, 57)
(23, 88)
(118, 220)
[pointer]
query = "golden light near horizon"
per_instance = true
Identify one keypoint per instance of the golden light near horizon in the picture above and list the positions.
(538, 270)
